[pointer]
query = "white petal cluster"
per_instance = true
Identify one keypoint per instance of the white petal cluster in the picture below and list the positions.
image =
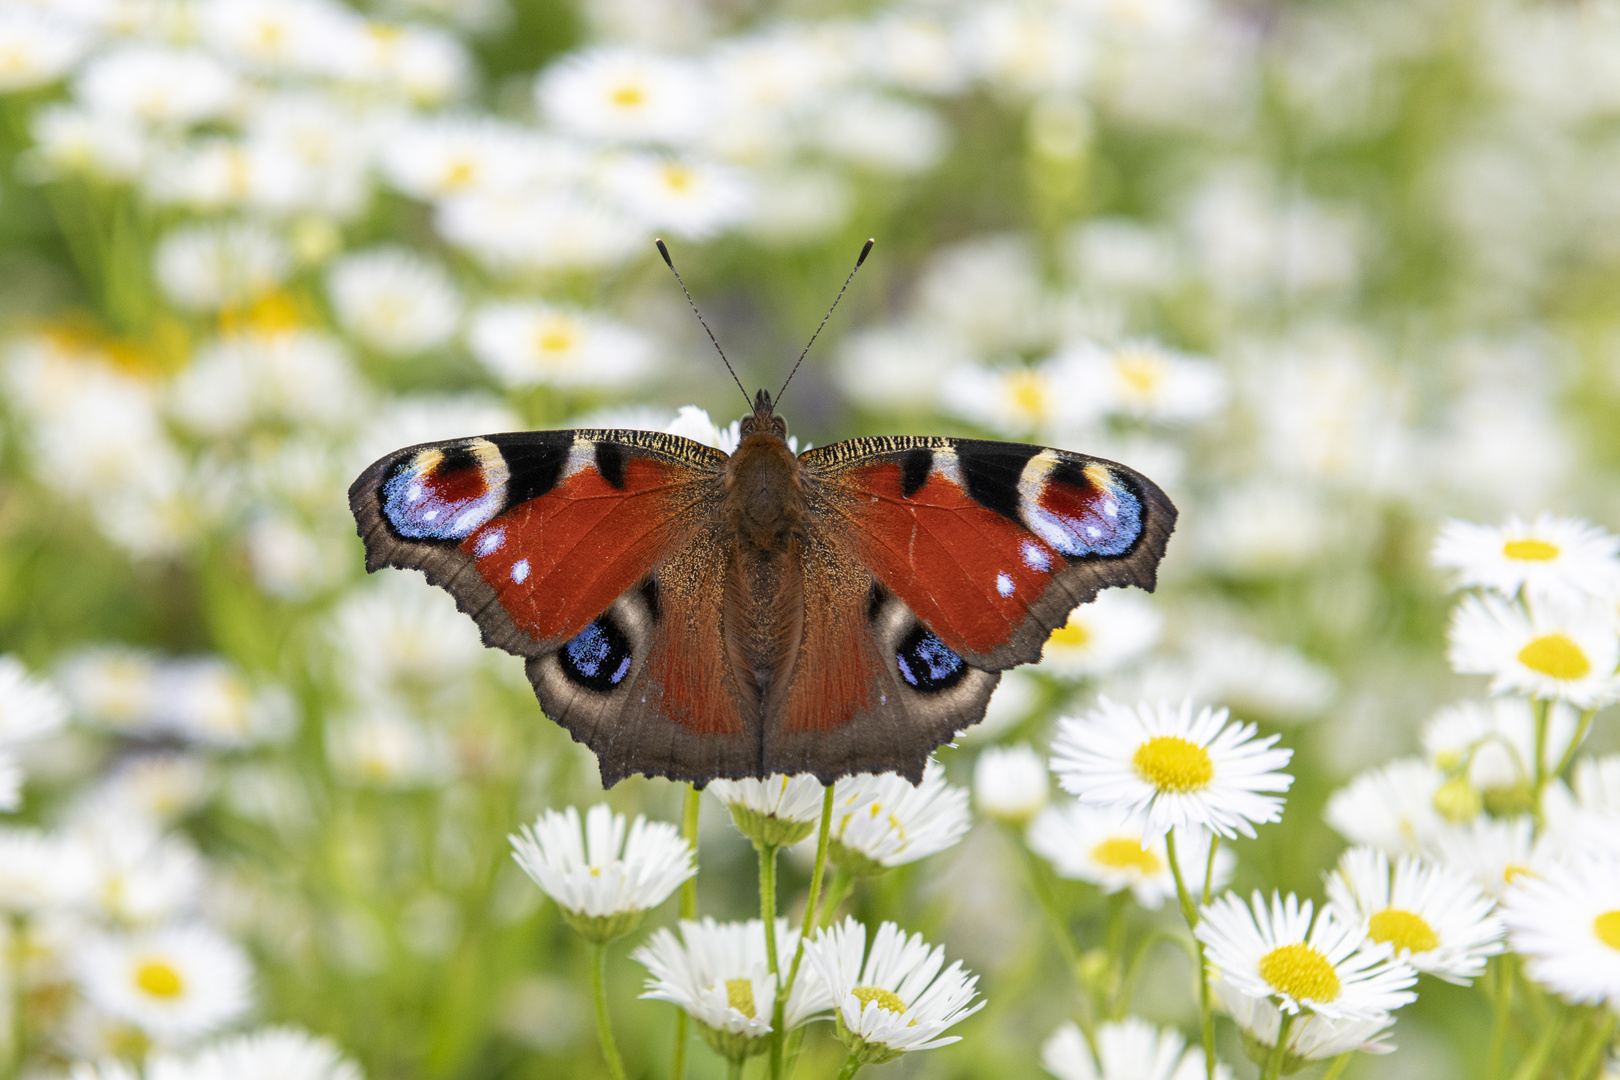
(607, 866)
(1010, 784)
(1430, 916)
(1566, 923)
(1178, 768)
(175, 983)
(880, 822)
(720, 974)
(1129, 1049)
(278, 1053)
(1277, 951)
(776, 811)
(1567, 652)
(1111, 849)
(1312, 1036)
(30, 709)
(1552, 558)
(895, 999)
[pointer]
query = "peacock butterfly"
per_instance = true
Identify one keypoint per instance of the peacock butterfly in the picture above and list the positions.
(692, 614)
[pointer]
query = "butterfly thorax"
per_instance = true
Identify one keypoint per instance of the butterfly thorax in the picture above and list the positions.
(764, 500)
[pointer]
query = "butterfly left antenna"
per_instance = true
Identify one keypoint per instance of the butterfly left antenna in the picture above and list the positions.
(664, 251)
(866, 249)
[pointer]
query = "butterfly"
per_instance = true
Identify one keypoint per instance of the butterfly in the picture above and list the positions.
(696, 615)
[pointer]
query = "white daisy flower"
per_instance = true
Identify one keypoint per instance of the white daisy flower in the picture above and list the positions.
(1129, 1049)
(36, 48)
(880, 822)
(71, 141)
(1102, 636)
(1597, 784)
(1494, 853)
(174, 984)
(111, 686)
(1564, 652)
(425, 66)
(42, 872)
(30, 709)
(394, 300)
(1492, 745)
(1430, 916)
(382, 749)
(1010, 784)
(605, 875)
(694, 423)
(204, 267)
(138, 876)
(1312, 1037)
(1550, 558)
(538, 230)
(439, 156)
(1143, 379)
(278, 1053)
(619, 94)
(895, 999)
(529, 344)
(720, 974)
(1391, 807)
(1178, 768)
(1566, 924)
(157, 85)
(774, 812)
(1110, 850)
(1017, 401)
(1279, 952)
(306, 37)
(694, 199)
(879, 132)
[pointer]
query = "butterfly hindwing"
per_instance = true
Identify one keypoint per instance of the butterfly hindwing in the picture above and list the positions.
(594, 555)
(991, 544)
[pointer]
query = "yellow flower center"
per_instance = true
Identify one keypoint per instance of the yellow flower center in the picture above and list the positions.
(459, 175)
(555, 337)
(1028, 393)
(1607, 928)
(1301, 972)
(1073, 634)
(677, 178)
(159, 979)
(1530, 550)
(1140, 372)
(1171, 763)
(1555, 655)
(1124, 853)
(886, 999)
(740, 996)
(1406, 930)
(1513, 872)
(628, 96)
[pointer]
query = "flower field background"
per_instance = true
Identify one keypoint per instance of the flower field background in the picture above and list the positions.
(1340, 276)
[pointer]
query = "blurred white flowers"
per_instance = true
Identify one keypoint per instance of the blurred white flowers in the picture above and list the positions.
(393, 300)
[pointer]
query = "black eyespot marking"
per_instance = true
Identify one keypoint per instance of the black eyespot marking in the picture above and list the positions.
(992, 470)
(914, 466)
(455, 459)
(599, 658)
(534, 461)
(874, 602)
(926, 663)
(649, 593)
(610, 461)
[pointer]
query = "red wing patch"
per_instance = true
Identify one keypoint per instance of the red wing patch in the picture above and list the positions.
(968, 572)
(558, 560)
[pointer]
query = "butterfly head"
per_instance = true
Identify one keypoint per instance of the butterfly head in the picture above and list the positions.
(763, 420)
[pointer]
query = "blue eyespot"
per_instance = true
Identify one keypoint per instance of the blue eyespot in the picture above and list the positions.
(926, 663)
(599, 657)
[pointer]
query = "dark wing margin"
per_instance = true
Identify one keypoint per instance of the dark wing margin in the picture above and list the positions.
(575, 549)
(992, 544)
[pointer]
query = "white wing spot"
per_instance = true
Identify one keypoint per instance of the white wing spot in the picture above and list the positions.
(520, 571)
(1035, 556)
(430, 515)
(491, 542)
(415, 491)
(1093, 532)
(1111, 508)
(1004, 585)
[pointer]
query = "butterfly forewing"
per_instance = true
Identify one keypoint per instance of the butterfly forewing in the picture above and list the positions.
(992, 544)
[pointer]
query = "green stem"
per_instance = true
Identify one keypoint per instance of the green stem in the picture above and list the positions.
(19, 1019)
(1209, 866)
(1586, 1062)
(1189, 912)
(689, 821)
(843, 881)
(1541, 709)
(1531, 1066)
(852, 1065)
(767, 915)
(734, 1068)
(604, 1028)
(1582, 726)
(779, 1011)
(1279, 1052)
(1505, 974)
(1340, 1063)
(1133, 969)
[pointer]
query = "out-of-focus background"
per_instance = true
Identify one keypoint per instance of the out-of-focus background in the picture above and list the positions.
(1330, 272)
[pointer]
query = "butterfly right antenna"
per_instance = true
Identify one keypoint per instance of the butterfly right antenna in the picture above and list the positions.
(664, 251)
